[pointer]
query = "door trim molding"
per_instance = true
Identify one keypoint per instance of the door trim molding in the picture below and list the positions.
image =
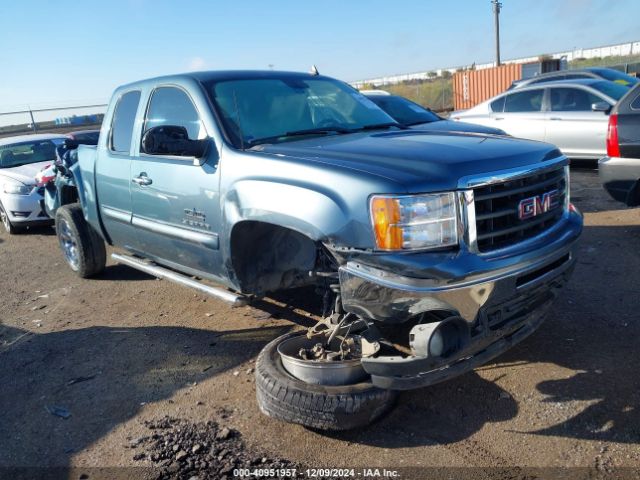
(122, 216)
(208, 240)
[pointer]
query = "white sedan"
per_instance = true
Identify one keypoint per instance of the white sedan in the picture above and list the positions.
(21, 158)
(572, 114)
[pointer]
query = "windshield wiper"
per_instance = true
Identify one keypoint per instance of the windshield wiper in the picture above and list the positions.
(14, 166)
(420, 122)
(377, 126)
(297, 133)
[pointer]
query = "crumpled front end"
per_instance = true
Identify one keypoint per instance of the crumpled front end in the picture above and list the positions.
(499, 291)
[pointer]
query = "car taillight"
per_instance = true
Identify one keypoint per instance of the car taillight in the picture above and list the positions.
(613, 146)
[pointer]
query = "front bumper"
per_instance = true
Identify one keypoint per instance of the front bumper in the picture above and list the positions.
(621, 179)
(502, 299)
(25, 209)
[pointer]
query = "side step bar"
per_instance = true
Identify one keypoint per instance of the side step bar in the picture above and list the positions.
(234, 299)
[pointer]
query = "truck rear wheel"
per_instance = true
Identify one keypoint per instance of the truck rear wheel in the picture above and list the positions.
(324, 407)
(82, 247)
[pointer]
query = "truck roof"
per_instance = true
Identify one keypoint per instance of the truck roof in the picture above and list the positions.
(217, 75)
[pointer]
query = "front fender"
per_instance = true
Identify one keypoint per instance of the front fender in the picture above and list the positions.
(320, 215)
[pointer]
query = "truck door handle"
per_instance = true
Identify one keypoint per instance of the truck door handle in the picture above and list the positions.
(499, 118)
(555, 118)
(142, 180)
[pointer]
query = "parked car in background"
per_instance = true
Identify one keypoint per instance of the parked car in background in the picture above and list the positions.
(85, 136)
(21, 158)
(415, 116)
(570, 114)
(594, 73)
(620, 169)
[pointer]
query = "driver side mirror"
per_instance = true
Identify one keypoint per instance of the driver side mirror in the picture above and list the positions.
(172, 140)
(601, 107)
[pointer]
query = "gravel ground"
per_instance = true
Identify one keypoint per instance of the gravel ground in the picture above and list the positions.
(89, 366)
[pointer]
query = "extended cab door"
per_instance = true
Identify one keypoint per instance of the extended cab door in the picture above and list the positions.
(176, 207)
(522, 114)
(572, 124)
(113, 172)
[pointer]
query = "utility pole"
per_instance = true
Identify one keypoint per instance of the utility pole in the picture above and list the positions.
(33, 122)
(496, 17)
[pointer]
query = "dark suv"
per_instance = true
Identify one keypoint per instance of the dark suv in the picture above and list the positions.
(620, 169)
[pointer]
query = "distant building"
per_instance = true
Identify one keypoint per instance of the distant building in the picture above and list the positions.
(622, 49)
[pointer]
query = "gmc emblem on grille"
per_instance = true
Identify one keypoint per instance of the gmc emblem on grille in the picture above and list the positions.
(533, 206)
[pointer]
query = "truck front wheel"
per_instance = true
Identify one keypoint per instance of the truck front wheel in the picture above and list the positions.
(82, 247)
(324, 407)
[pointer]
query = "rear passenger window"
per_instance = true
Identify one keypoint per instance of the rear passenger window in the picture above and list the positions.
(572, 100)
(498, 105)
(122, 124)
(529, 101)
(172, 106)
(636, 103)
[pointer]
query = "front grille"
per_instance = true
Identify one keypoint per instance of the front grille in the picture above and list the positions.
(498, 224)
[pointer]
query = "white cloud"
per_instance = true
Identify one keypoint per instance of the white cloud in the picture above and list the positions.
(197, 63)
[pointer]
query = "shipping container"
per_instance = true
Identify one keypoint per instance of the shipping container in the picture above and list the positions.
(471, 87)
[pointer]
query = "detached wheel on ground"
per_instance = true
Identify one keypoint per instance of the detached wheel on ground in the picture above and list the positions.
(82, 247)
(344, 407)
(6, 223)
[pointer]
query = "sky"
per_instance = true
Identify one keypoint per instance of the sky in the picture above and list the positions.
(76, 52)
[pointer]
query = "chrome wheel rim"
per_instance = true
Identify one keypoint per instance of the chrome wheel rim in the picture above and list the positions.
(5, 219)
(68, 244)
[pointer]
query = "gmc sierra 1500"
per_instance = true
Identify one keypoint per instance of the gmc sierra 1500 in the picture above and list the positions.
(433, 252)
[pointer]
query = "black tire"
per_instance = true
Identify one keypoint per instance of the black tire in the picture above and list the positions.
(82, 247)
(10, 228)
(322, 407)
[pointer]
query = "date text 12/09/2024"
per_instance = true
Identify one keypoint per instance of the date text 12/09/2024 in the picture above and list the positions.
(316, 473)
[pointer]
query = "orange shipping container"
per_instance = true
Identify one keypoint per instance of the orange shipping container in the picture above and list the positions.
(474, 86)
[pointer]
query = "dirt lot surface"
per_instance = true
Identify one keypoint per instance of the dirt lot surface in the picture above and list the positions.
(125, 349)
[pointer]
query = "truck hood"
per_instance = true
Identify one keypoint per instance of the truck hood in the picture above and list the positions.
(24, 173)
(418, 161)
(450, 126)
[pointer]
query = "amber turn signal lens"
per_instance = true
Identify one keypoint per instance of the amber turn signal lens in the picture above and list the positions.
(385, 213)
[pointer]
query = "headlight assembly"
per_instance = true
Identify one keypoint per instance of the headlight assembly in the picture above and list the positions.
(17, 188)
(414, 222)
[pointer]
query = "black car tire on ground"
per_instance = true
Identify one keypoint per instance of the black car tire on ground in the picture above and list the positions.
(8, 226)
(83, 248)
(323, 407)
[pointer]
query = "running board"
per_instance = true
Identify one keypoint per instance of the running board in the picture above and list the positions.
(234, 299)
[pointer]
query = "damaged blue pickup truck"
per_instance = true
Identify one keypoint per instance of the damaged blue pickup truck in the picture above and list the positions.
(432, 252)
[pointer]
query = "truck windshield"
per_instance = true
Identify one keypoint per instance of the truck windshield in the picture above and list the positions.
(17, 154)
(270, 110)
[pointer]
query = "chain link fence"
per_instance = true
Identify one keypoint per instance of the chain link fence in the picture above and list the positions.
(51, 120)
